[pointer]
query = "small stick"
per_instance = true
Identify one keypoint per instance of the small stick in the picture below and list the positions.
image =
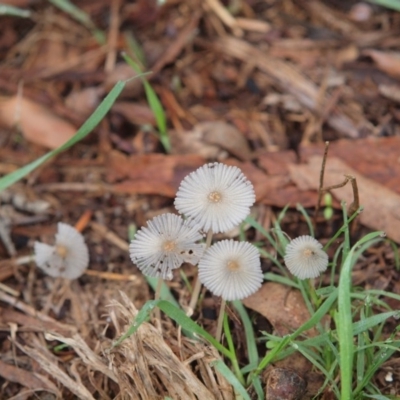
(321, 183)
(112, 276)
(354, 206)
(83, 220)
(356, 200)
(218, 335)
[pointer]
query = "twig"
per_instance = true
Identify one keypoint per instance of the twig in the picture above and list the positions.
(321, 183)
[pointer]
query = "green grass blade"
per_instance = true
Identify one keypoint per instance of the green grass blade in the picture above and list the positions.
(283, 280)
(14, 11)
(253, 223)
(154, 103)
(309, 223)
(252, 351)
(393, 4)
(221, 367)
(80, 16)
(370, 322)
(256, 382)
(84, 130)
(344, 322)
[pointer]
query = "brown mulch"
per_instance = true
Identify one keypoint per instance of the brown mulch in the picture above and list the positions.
(262, 86)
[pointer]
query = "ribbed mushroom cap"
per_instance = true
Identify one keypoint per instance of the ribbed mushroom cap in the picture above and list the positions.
(231, 269)
(216, 196)
(68, 258)
(305, 257)
(165, 244)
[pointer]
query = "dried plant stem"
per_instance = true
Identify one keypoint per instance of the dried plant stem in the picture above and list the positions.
(197, 285)
(220, 320)
(321, 183)
(354, 206)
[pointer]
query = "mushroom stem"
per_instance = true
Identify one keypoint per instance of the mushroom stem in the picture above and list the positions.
(197, 285)
(220, 320)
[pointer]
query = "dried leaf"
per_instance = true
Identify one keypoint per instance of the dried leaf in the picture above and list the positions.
(388, 62)
(282, 306)
(38, 124)
(210, 139)
(375, 158)
(150, 173)
(136, 114)
(83, 102)
(381, 205)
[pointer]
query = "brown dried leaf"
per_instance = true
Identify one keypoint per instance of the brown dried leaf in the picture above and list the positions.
(136, 114)
(150, 173)
(381, 205)
(209, 139)
(282, 306)
(83, 102)
(374, 158)
(38, 124)
(388, 62)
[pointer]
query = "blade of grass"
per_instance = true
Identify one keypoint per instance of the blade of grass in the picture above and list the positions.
(252, 222)
(231, 347)
(343, 317)
(252, 351)
(80, 16)
(14, 11)
(300, 208)
(154, 104)
(83, 131)
(393, 4)
(269, 276)
(221, 367)
(316, 317)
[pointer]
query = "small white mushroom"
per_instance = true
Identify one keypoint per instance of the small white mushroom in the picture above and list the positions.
(68, 258)
(231, 269)
(305, 257)
(165, 244)
(216, 196)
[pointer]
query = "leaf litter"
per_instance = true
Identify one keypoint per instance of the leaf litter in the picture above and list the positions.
(261, 88)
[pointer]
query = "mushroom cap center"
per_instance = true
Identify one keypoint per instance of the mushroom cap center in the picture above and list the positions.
(214, 197)
(169, 246)
(308, 252)
(61, 250)
(233, 266)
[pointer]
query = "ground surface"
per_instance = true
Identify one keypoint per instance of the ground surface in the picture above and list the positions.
(261, 87)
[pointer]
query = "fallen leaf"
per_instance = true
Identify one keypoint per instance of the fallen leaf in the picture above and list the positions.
(37, 123)
(374, 158)
(136, 114)
(282, 306)
(391, 92)
(210, 139)
(388, 62)
(150, 173)
(83, 102)
(381, 205)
